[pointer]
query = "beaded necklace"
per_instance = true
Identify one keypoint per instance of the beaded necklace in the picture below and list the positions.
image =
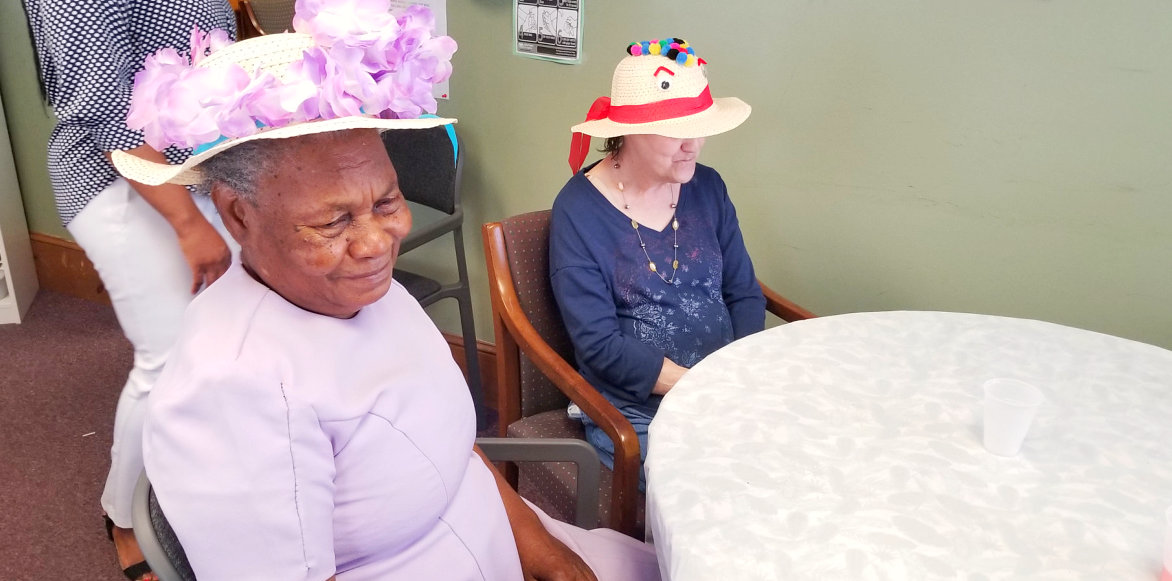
(675, 232)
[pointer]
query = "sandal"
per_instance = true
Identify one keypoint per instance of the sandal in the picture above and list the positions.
(136, 571)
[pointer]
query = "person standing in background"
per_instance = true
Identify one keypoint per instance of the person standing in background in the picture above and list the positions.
(154, 247)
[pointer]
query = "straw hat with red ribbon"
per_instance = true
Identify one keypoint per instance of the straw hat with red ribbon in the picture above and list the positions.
(661, 88)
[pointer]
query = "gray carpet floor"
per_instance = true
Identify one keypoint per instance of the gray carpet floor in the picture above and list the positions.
(60, 374)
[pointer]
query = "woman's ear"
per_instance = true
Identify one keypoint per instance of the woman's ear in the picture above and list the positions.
(233, 209)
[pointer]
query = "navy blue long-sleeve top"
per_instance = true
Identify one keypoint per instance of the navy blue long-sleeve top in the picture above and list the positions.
(623, 319)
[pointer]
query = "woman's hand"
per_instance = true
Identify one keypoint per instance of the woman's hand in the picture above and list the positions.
(543, 557)
(669, 374)
(206, 252)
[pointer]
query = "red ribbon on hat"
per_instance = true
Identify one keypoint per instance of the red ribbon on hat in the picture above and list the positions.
(661, 110)
(645, 113)
(580, 142)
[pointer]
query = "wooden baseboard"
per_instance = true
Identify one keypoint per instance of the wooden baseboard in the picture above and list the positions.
(63, 267)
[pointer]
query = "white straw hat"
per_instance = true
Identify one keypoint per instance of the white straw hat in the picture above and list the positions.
(661, 88)
(273, 54)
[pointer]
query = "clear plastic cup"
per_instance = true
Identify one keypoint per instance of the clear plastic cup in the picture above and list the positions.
(1010, 405)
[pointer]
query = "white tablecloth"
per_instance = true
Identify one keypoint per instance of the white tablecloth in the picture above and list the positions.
(849, 447)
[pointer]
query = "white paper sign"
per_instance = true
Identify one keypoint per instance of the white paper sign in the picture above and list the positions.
(548, 29)
(439, 8)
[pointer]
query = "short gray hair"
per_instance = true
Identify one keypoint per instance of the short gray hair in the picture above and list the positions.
(241, 167)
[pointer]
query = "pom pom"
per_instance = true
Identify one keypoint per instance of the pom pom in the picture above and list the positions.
(676, 49)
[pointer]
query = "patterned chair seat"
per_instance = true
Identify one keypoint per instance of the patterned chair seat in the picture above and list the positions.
(549, 485)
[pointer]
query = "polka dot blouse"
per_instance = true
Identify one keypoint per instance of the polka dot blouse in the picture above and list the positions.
(88, 52)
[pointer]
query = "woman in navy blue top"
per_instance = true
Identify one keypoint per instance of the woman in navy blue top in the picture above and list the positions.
(647, 261)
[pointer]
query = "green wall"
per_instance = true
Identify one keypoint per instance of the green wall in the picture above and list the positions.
(29, 120)
(994, 156)
(999, 156)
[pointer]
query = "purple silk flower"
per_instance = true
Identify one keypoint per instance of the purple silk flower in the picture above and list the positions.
(365, 62)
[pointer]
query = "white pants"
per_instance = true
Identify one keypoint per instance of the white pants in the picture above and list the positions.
(137, 255)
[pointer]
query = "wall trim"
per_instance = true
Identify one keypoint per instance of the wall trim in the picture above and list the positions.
(63, 267)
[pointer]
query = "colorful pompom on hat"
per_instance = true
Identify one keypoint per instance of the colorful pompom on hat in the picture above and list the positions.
(350, 65)
(660, 88)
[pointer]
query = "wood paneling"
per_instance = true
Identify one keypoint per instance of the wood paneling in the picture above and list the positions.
(63, 267)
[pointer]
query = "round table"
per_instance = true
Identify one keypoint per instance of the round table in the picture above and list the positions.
(849, 447)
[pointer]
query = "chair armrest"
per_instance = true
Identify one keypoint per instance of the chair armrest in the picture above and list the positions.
(147, 535)
(509, 315)
(782, 307)
(247, 17)
(555, 450)
(627, 458)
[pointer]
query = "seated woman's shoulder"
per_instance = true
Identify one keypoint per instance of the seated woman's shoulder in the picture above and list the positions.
(574, 194)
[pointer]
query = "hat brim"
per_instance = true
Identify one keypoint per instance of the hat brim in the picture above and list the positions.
(186, 174)
(726, 113)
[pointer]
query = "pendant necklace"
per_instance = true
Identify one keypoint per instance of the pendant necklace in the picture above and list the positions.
(675, 232)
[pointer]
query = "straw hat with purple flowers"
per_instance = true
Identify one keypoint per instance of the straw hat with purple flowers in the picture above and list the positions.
(350, 64)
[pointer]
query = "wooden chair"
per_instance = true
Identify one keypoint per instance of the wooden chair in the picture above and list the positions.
(536, 376)
(260, 17)
(783, 308)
